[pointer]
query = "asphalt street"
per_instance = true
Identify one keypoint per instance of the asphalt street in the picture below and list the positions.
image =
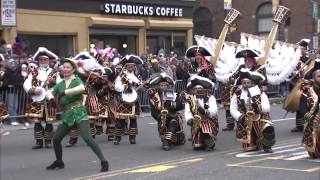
(147, 160)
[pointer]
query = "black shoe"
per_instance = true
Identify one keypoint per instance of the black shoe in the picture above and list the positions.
(227, 129)
(190, 139)
(117, 140)
(104, 166)
(189, 122)
(267, 150)
(210, 144)
(48, 145)
(56, 165)
(166, 145)
(126, 132)
(38, 146)
(132, 139)
(110, 138)
(297, 129)
(72, 142)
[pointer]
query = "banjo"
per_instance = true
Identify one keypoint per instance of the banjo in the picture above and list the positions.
(42, 95)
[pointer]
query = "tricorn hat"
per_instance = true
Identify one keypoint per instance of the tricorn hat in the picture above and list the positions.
(252, 75)
(131, 59)
(247, 52)
(197, 80)
(194, 50)
(304, 42)
(42, 51)
(163, 77)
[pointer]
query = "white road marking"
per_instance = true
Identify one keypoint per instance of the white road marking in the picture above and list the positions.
(277, 150)
(302, 156)
(286, 119)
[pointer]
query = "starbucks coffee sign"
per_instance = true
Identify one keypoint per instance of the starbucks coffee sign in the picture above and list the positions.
(142, 10)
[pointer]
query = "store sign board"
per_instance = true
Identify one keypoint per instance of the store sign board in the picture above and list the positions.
(142, 10)
(8, 13)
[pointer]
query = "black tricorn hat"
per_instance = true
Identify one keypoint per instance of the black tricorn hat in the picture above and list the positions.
(163, 77)
(197, 80)
(194, 50)
(304, 42)
(131, 59)
(244, 53)
(252, 75)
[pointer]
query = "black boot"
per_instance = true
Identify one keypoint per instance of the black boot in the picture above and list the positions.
(117, 140)
(297, 129)
(38, 145)
(72, 142)
(267, 149)
(110, 137)
(47, 144)
(227, 129)
(166, 145)
(58, 164)
(104, 166)
(210, 144)
(132, 139)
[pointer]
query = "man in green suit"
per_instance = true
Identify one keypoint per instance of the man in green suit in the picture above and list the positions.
(70, 92)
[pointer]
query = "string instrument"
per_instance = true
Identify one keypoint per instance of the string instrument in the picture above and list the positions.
(282, 13)
(92, 79)
(306, 67)
(230, 20)
(292, 100)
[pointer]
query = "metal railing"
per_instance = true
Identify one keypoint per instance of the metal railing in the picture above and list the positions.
(15, 98)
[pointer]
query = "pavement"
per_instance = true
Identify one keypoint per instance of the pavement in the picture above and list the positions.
(147, 160)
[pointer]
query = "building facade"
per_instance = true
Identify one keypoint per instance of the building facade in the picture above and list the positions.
(257, 18)
(67, 27)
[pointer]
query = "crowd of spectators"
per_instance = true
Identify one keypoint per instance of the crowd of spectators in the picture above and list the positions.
(15, 66)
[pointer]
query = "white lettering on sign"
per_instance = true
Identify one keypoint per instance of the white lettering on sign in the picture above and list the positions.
(142, 10)
(8, 13)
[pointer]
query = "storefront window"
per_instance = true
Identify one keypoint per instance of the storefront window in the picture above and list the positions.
(62, 45)
(124, 40)
(166, 41)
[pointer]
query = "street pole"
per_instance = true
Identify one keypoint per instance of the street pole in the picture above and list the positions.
(315, 17)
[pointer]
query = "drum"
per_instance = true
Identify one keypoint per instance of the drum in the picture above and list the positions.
(131, 97)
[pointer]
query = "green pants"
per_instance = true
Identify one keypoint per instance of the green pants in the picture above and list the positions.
(63, 130)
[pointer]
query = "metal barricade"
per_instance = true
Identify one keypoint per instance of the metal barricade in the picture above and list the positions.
(143, 98)
(15, 99)
(273, 90)
(180, 85)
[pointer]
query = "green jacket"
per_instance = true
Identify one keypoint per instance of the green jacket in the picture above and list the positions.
(72, 109)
